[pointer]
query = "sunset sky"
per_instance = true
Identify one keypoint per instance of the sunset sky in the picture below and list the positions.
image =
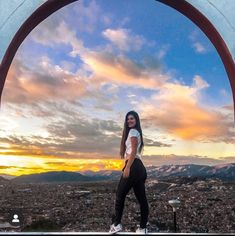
(82, 69)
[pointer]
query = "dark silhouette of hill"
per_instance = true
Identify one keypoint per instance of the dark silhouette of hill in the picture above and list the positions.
(56, 176)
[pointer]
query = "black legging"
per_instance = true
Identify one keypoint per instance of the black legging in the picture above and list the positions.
(136, 179)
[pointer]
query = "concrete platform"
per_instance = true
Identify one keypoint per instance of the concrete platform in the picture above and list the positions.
(106, 233)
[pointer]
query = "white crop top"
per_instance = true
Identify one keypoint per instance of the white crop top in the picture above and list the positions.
(132, 133)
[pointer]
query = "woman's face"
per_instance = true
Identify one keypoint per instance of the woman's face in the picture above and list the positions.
(131, 121)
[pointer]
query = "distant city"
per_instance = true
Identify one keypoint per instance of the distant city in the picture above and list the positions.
(84, 201)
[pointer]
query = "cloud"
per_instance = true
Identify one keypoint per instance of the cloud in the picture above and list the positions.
(46, 81)
(6, 167)
(87, 136)
(43, 86)
(163, 51)
(151, 143)
(73, 136)
(52, 33)
(123, 71)
(88, 16)
(104, 64)
(55, 29)
(124, 39)
(198, 46)
(229, 107)
(180, 111)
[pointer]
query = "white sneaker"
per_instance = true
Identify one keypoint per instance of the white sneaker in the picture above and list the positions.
(141, 231)
(114, 229)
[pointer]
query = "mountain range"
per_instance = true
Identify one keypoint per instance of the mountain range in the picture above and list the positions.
(221, 171)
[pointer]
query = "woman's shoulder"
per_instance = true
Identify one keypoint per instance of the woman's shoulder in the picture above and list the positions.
(134, 132)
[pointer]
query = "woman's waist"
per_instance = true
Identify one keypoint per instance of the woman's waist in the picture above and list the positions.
(137, 163)
(136, 159)
(136, 155)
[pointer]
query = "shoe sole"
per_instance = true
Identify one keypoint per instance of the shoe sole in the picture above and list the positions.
(114, 232)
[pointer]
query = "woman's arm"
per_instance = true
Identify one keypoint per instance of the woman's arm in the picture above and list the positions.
(134, 143)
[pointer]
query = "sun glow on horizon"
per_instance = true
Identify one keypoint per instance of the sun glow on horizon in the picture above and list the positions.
(18, 165)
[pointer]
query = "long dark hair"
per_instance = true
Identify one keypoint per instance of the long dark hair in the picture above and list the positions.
(126, 130)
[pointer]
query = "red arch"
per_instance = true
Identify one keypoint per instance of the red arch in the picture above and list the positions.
(50, 6)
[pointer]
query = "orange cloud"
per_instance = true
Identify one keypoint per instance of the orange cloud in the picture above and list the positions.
(47, 82)
(119, 69)
(176, 109)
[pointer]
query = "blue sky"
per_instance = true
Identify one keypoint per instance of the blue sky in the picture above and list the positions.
(83, 68)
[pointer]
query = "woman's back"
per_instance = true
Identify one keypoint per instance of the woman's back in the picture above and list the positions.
(132, 133)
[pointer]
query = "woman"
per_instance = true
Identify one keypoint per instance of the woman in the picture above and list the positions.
(134, 173)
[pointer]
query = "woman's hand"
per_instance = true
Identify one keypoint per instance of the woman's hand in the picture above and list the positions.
(126, 172)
